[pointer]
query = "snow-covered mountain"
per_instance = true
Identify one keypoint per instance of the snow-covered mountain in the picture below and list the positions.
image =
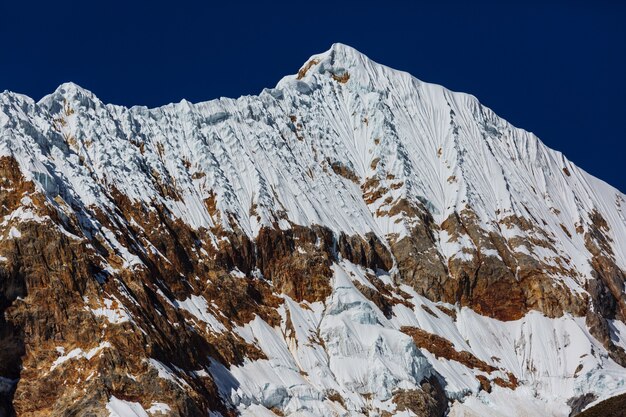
(353, 242)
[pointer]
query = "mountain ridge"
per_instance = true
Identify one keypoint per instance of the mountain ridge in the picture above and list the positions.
(370, 231)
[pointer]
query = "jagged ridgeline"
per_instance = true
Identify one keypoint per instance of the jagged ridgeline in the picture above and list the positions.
(353, 242)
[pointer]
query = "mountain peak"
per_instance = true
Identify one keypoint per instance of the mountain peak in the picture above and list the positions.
(69, 92)
(72, 90)
(339, 63)
(341, 50)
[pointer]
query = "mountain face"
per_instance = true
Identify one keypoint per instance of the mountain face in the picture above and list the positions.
(353, 242)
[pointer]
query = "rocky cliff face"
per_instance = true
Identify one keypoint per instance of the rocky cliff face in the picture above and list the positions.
(351, 242)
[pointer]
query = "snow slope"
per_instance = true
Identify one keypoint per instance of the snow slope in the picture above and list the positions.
(441, 147)
(363, 352)
(302, 153)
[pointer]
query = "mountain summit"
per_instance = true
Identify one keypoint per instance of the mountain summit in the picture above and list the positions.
(352, 242)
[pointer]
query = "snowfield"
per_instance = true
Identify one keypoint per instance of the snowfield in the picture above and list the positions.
(306, 153)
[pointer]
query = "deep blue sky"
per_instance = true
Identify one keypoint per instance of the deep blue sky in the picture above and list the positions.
(555, 68)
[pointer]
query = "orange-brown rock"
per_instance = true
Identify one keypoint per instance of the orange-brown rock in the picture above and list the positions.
(367, 251)
(607, 290)
(344, 171)
(443, 348)
(505, 287)
(295, 263)
(430, 400)
(306, 68)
